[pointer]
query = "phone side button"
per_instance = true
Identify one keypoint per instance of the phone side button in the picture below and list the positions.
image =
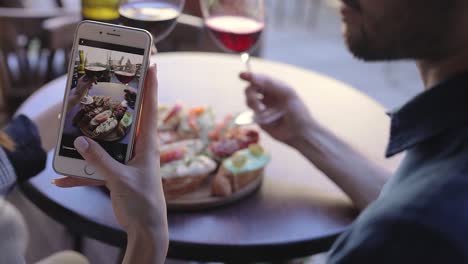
(89, 170)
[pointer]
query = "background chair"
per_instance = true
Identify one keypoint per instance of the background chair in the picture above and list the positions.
(24, 51)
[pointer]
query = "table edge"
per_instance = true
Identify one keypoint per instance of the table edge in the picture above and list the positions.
(181, 249)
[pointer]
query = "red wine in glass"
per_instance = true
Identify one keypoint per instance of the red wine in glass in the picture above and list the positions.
(235, 33)
(157, 17)
(124, 77)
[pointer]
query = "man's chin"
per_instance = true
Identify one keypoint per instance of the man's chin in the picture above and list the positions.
(360, 48)
(357, 48)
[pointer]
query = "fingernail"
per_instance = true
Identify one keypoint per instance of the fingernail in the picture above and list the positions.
(53, 182)
(81, 144)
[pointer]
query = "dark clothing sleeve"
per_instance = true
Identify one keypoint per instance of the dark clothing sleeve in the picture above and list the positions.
(394, 242)
(28, 158)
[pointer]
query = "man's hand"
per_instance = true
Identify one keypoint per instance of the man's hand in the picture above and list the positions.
(266, 93)
(83, 86)
(135, 188)
(354, 173)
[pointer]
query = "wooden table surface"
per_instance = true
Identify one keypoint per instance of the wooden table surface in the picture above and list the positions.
(297, 211)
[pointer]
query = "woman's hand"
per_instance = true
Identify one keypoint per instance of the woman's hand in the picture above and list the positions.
(135, 188)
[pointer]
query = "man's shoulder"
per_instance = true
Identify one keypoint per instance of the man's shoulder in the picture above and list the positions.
(396, 240)
(438, 201)
(433, 220)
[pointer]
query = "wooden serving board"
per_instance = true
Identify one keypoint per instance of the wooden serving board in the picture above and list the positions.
(201, 198)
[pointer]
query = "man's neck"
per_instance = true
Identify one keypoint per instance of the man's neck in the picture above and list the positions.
(434, 72)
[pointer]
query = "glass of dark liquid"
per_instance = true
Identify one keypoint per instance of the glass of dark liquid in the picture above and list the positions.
(124, 77)
(159, 17)
(95, 72)
(236, 26)
(126, 74)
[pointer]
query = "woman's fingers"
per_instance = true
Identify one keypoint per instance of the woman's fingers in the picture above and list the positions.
(68, 182)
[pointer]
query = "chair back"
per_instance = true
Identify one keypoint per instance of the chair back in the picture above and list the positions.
(23, 48)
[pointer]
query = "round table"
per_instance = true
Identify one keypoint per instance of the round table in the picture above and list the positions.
(296, 212)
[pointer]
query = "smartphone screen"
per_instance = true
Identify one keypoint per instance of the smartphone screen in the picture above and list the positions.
(105, 110)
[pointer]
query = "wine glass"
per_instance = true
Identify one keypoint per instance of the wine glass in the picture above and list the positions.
(126, 75)
(157, 16)
(94, 71)
(236, 26)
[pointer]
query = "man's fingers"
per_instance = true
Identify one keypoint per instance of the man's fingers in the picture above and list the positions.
(246, 76)
(252, 99)
(68, 182)
(259, 80)
(97, 157)
(267, 86)
(148, 125)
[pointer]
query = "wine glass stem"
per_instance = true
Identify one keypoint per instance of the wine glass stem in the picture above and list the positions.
(154, 50)
(245, 57)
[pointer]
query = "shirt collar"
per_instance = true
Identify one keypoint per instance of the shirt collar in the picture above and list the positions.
(430, 113)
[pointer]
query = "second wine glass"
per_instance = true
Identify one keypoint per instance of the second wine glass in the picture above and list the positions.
(157, 16)
(236, 25)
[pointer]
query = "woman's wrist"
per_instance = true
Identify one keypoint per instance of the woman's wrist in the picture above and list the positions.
(146, 244)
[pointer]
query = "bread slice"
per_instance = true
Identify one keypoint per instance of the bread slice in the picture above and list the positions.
(181, 177)
(178, 186)
(226, 183)
(239, 170)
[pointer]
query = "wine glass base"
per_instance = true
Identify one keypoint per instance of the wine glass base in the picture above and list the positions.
(87, 100)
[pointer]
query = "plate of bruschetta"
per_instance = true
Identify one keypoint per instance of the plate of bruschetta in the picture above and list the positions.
(109, 116)
(104, 119)
(207, 162)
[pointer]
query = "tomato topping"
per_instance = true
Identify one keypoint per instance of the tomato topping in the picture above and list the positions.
(174, 111)
(192, 121)
(197, 110)
(101, 119)
(193, 115)
(172, 155)
(216, 133)
(224, 148)
(252, 136)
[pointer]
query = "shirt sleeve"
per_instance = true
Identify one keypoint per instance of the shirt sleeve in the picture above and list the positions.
(28, 157)
(394, 242)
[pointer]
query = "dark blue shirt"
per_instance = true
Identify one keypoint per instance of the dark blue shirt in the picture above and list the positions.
(26, 159)
(421, 216)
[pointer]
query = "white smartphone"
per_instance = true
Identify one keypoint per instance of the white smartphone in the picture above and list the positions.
(103, 94)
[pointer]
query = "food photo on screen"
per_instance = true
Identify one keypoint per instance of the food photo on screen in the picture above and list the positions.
(106, 111)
